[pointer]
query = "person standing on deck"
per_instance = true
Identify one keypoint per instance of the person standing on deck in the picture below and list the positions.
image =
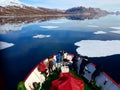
(74, 65)
(78, 63)
(43, 69)
(36, 86)
(97, 72)
(64, 58)
(50, 64)
(58, 59)
(54, 61)
(82, 66)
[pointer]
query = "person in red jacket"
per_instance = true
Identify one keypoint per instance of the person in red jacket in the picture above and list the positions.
(43, 69)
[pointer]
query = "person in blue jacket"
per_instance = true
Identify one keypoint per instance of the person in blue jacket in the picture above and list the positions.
(58, 59)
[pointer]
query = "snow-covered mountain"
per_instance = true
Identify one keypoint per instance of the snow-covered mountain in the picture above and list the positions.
(5, 3)
(17, 8)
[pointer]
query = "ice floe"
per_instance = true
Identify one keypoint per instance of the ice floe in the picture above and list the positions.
(98, 48)
(49, 27)
(56, 22)
(93, 26)
(41, 36)
(10, 3)
(100, 32)
(117, 28)
(117, 32)
(4, 45)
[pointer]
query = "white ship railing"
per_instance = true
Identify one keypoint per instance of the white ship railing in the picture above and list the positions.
(103, 80)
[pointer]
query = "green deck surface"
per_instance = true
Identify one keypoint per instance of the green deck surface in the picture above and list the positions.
(47, 84)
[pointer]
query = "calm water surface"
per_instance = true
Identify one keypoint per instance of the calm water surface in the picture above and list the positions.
(17, 61)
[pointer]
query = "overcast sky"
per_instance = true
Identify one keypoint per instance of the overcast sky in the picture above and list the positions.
(110, 5)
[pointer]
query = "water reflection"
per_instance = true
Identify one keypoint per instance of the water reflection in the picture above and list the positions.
(30, 47)
(83, 17)
(8, 24)
(28, 19)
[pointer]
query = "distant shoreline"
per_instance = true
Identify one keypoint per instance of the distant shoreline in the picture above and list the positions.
(13, 16)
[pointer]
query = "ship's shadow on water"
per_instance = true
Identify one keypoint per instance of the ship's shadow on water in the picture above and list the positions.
(18, 60)
(108, 66)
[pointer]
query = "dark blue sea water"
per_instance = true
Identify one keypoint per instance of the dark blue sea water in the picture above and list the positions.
(17, 61)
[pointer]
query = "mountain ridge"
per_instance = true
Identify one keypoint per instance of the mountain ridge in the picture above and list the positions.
(17, 8)
(86, 11)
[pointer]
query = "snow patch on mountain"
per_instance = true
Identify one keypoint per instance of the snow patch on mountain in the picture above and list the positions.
(10, 3)
(5, 3)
